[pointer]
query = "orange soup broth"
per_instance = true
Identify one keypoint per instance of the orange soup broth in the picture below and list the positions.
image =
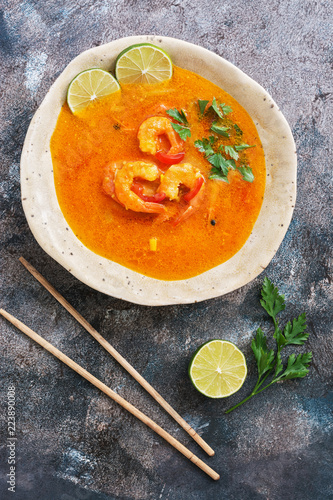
(82, 146)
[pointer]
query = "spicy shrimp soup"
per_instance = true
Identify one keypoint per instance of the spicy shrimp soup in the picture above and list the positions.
(195, 211)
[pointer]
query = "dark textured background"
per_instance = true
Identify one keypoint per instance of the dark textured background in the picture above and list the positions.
(73, 442)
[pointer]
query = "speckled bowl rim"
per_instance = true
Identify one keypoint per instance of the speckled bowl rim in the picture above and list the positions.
(52, 232)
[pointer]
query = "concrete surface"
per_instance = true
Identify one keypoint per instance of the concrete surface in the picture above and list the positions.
(74, 443)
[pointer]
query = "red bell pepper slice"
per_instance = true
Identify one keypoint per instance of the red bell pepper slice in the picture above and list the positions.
(156, 198)
(169, 159)
(191, 194)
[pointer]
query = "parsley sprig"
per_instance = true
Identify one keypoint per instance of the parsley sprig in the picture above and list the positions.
(220, 163)
(221, 109)
(184, 129)
(269, 361)
(224, 158)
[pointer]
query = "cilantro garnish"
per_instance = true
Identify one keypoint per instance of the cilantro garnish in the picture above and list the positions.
(243, 146)
(218, 129)
(226, 109)
(246, 172)
(205, 146)
(184, 129)
(221, 167)
(215, 108)
(224, 157)
(221, 110)
(179, 116)
(219, 162)
(231, 151)
(238, 130)
(293, 334)
(216, 173)
(183, 132)
(202, 106)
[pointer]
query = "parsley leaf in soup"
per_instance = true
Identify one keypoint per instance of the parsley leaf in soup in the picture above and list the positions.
(183, 132)
(221, 110)
(231, 152)
(231, 164)
(217, 174)
(219, 129)
(179, 116)
(238, 130)
(205, 146)
(202, 106)
(246, 172)
(243, 146)
(218, 161)
(215, 108)
(226, 109)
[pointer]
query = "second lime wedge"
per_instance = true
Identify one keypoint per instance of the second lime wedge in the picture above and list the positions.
(143, 63)
(218, 369)
(88, 86)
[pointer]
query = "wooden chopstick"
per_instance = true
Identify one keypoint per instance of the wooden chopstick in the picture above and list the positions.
(115, 354)
(113, 395)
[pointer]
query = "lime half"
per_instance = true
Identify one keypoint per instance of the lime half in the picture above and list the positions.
(89, 86)
(143, 63)
(218, 369)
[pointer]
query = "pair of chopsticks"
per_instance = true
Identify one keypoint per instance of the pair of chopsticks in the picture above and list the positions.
(113, 395)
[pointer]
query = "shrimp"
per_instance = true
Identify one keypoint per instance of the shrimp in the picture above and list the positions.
(182, 174)
(123, 181)
(108, 180)
(151, 129)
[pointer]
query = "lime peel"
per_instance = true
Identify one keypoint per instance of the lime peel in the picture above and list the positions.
(143, 63)
(88, 86)
(218, 369)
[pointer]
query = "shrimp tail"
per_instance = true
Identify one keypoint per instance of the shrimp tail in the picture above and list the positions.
(185, 215)
(108, 186)
(153, 208)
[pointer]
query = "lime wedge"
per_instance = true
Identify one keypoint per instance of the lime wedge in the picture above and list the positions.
(89, 86)
(218, 369)
(143, 63)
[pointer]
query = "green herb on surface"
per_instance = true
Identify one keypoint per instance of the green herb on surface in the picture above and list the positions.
(221, 167)
(267, 360)
(179, 116)
(182, 130)
(202, 106)
(221, 110)
(215, 107)
(238, 130)
(218, 129)
(231, 151)
(246, 172)
(205, 145)
(243, 146)
(226, 109)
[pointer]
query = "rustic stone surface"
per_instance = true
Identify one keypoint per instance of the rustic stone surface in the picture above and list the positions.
(72, 442)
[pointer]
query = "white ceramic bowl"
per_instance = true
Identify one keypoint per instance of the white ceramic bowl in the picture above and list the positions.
(54, 235)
